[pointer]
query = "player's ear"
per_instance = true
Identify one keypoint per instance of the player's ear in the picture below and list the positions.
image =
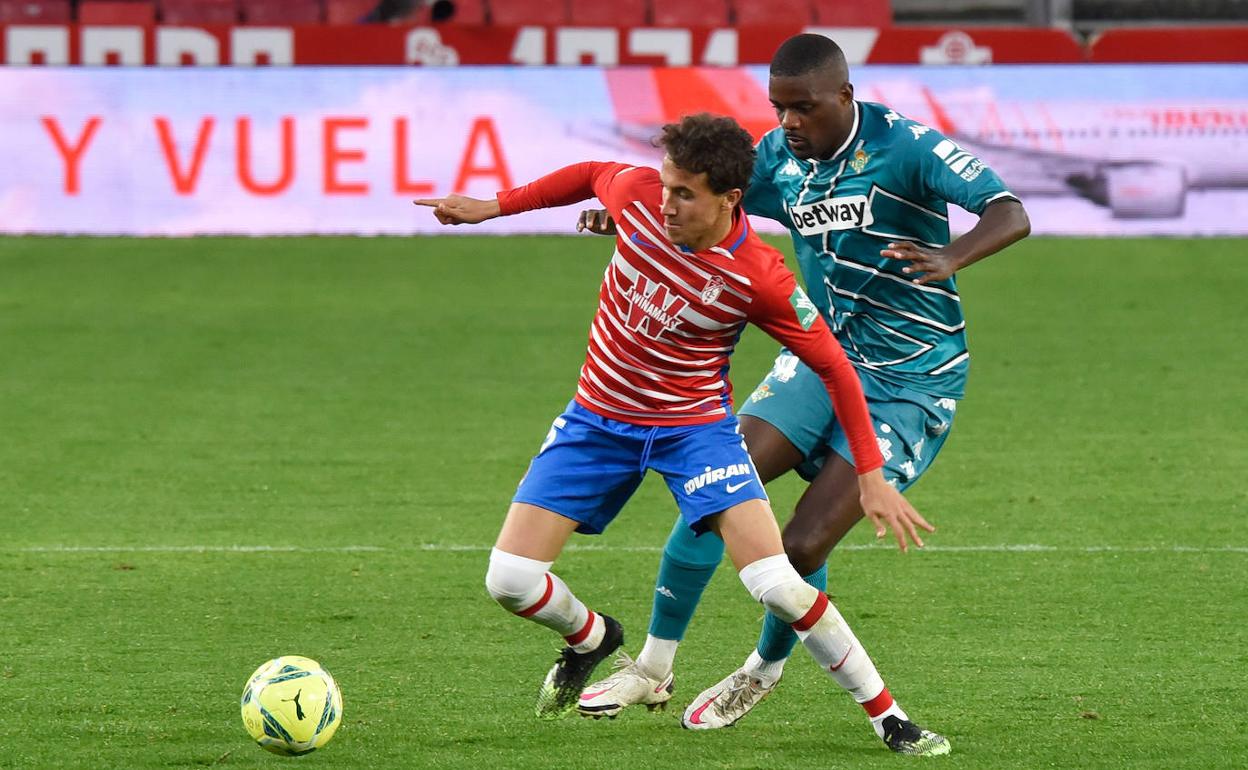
(732, 198)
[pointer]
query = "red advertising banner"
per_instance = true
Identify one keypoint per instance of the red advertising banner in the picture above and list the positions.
(528, 45)
(1161, 44)
(991, 45)
(449, 45)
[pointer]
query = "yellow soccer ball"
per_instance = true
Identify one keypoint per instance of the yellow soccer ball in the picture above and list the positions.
(291, 706)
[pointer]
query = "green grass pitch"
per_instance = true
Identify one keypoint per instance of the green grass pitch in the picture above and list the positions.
(364, 408)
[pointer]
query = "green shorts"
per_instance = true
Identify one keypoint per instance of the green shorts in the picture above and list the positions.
(910, 426)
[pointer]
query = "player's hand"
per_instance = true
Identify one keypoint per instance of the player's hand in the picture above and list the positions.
(934, 264)
(460, 209)
(889, 510)
(597, 221)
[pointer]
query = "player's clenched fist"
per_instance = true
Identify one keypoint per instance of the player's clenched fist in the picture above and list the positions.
(597, 221)
(460, 209)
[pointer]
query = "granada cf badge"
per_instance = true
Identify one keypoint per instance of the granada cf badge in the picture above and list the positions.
(714, 288)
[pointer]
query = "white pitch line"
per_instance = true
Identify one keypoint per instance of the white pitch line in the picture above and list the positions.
(198, 549)
(460, 547)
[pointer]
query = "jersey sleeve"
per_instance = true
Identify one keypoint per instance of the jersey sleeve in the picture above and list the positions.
(568, 185)
(952, 174)
(784, 311)
(761, 197)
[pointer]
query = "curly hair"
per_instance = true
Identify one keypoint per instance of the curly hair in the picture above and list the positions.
(711, 144)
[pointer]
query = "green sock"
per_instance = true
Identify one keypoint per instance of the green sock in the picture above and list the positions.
(684, 572)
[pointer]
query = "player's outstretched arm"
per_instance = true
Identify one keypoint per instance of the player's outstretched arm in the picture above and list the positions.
(1002, 223)
(460, 209)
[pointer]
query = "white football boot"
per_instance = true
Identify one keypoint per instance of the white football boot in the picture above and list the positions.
(628, 685)
(726, 702)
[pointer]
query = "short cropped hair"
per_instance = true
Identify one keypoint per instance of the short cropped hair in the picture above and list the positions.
(806, 53)
(711, 144)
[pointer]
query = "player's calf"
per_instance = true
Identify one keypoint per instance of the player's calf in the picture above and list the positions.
(526, 588)
(826, 636)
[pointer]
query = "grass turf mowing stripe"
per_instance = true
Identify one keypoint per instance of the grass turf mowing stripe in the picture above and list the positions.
(455, 547)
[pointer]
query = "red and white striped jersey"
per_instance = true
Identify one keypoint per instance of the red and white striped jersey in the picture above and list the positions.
(668, 318)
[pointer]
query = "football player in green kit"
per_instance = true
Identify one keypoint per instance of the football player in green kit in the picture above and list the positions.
(864, 192)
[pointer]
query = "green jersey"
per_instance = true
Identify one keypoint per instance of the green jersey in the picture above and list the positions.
(890, 181)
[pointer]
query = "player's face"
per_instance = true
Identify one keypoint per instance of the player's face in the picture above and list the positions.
(693, 215)
(816, 110)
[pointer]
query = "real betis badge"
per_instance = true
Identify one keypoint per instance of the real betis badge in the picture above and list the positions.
(805, 309)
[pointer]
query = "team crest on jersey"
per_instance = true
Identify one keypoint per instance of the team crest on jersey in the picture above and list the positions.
(714, 287)
(653, 308)
(860, 161)
(761, 392)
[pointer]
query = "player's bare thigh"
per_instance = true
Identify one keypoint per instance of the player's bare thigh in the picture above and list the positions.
(534, 533)
(772, 453)
(826, 512)
(749, 532)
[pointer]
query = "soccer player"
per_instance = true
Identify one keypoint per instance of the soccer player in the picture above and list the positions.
(686, 276)
(864, 192)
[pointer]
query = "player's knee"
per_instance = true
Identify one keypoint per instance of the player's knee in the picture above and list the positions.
(776, 584)
(805, 552)
(791, 600)
(513, 590)
(514, 581)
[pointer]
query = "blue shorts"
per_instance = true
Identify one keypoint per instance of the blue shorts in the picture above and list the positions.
(589, 466)
(910, 426)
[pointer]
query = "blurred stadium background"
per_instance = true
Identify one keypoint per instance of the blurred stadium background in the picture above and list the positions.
(220, 449)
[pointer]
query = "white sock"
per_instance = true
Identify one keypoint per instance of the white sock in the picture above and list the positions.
(877, 722)
(527, 588)
(590, 635)
(766, 671)
(823, 631)
(657, 656)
